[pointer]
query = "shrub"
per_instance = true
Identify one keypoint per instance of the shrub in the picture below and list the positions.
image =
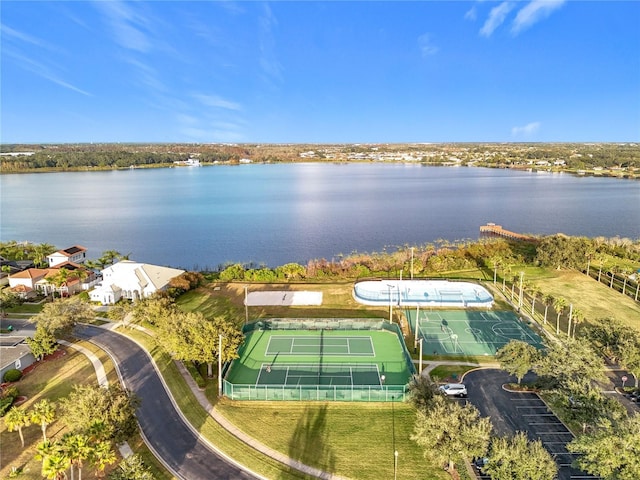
(5, 404)
(195, 374)
(12, 375)
(9, 392)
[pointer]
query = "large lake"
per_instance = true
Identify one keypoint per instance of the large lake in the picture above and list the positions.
(274, 214)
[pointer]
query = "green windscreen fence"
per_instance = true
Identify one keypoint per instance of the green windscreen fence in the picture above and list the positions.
(352, 393)
(320, 359)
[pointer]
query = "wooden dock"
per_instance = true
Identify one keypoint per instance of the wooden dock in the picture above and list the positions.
(493, 229)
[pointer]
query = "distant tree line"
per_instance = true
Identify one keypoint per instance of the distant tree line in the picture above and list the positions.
(571, 157)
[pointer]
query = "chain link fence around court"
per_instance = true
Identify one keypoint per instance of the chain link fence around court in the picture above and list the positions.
(320, 391)
(345, 393)
(318, 324)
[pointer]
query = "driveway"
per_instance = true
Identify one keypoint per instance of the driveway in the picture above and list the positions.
(169, 436)
(525, 412)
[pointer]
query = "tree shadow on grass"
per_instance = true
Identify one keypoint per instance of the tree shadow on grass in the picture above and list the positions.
(309, 443)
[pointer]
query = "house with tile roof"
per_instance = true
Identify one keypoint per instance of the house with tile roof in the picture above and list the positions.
(33, 281)
(75, 254)
(132, 280)
(23, 283)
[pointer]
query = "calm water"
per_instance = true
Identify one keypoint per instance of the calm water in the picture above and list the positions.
(274, 214)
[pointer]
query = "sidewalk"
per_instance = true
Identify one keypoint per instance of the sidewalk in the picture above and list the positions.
(240, 435)
(432, 364)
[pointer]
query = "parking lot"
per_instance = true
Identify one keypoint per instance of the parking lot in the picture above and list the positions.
(511, 412)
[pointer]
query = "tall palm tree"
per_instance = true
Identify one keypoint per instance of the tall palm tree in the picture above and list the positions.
(44, 412)
(578, 317)
(102, 456)
(40, 253)
(54, 466)
(44, 449)
(612, 271)
(547, 300)
(559, 304)
(77, 448)
(534, 292)
(17, 419)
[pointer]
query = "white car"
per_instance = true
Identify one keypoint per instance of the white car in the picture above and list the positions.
(454, 389)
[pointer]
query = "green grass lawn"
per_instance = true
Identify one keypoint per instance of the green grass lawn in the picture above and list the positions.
(353, 442)
(594, 299)
(51, 379)
(356, 441)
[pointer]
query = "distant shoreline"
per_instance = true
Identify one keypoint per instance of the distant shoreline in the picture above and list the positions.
(617, 160)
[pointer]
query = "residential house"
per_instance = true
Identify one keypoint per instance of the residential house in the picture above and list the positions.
(32, 281)
(23, 283)
(132, 280)
(75, 254)
(14, 355)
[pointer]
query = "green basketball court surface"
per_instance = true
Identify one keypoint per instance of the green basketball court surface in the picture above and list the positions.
(469, 332)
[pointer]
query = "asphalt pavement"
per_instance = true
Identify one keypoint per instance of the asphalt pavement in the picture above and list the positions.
(167, 433)
(512, 412)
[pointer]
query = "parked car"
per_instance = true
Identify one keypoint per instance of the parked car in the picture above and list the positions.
(480, 463)
(454, 389)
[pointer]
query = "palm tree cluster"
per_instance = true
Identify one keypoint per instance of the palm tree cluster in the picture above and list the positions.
(96, 419)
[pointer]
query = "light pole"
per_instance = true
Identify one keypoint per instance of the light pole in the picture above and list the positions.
(246, 305)
(220, 365)
(390, 302)
(420, 363)
(520, 296)
(395, 464)
(417, 329)
(411, 263)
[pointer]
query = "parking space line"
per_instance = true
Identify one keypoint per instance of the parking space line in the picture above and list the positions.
(554, 433)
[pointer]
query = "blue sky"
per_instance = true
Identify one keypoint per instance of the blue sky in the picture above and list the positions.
(320, 72)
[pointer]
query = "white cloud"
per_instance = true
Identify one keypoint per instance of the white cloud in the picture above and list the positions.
(471, 14)
(21, 36)
(268, 55)
(45, 71)
(533, 12)
(496, 18)
(426, 45)
(127, 25)
(527, 130)
(217, 102)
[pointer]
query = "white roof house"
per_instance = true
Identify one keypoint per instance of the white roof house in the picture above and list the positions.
(75, 254)
(132, 280)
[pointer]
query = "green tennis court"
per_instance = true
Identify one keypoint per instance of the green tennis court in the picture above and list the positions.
(318, 374)
(316, 345)
(469, 332)
(321, 364)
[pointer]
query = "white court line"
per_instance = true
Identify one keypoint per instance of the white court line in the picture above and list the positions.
(286, 377)
(259, 373)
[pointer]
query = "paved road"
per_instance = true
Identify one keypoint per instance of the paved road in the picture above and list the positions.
(524, 412)
(21, 326)
(188, 456)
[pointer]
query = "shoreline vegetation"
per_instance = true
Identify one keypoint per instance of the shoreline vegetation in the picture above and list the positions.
(619, 160)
